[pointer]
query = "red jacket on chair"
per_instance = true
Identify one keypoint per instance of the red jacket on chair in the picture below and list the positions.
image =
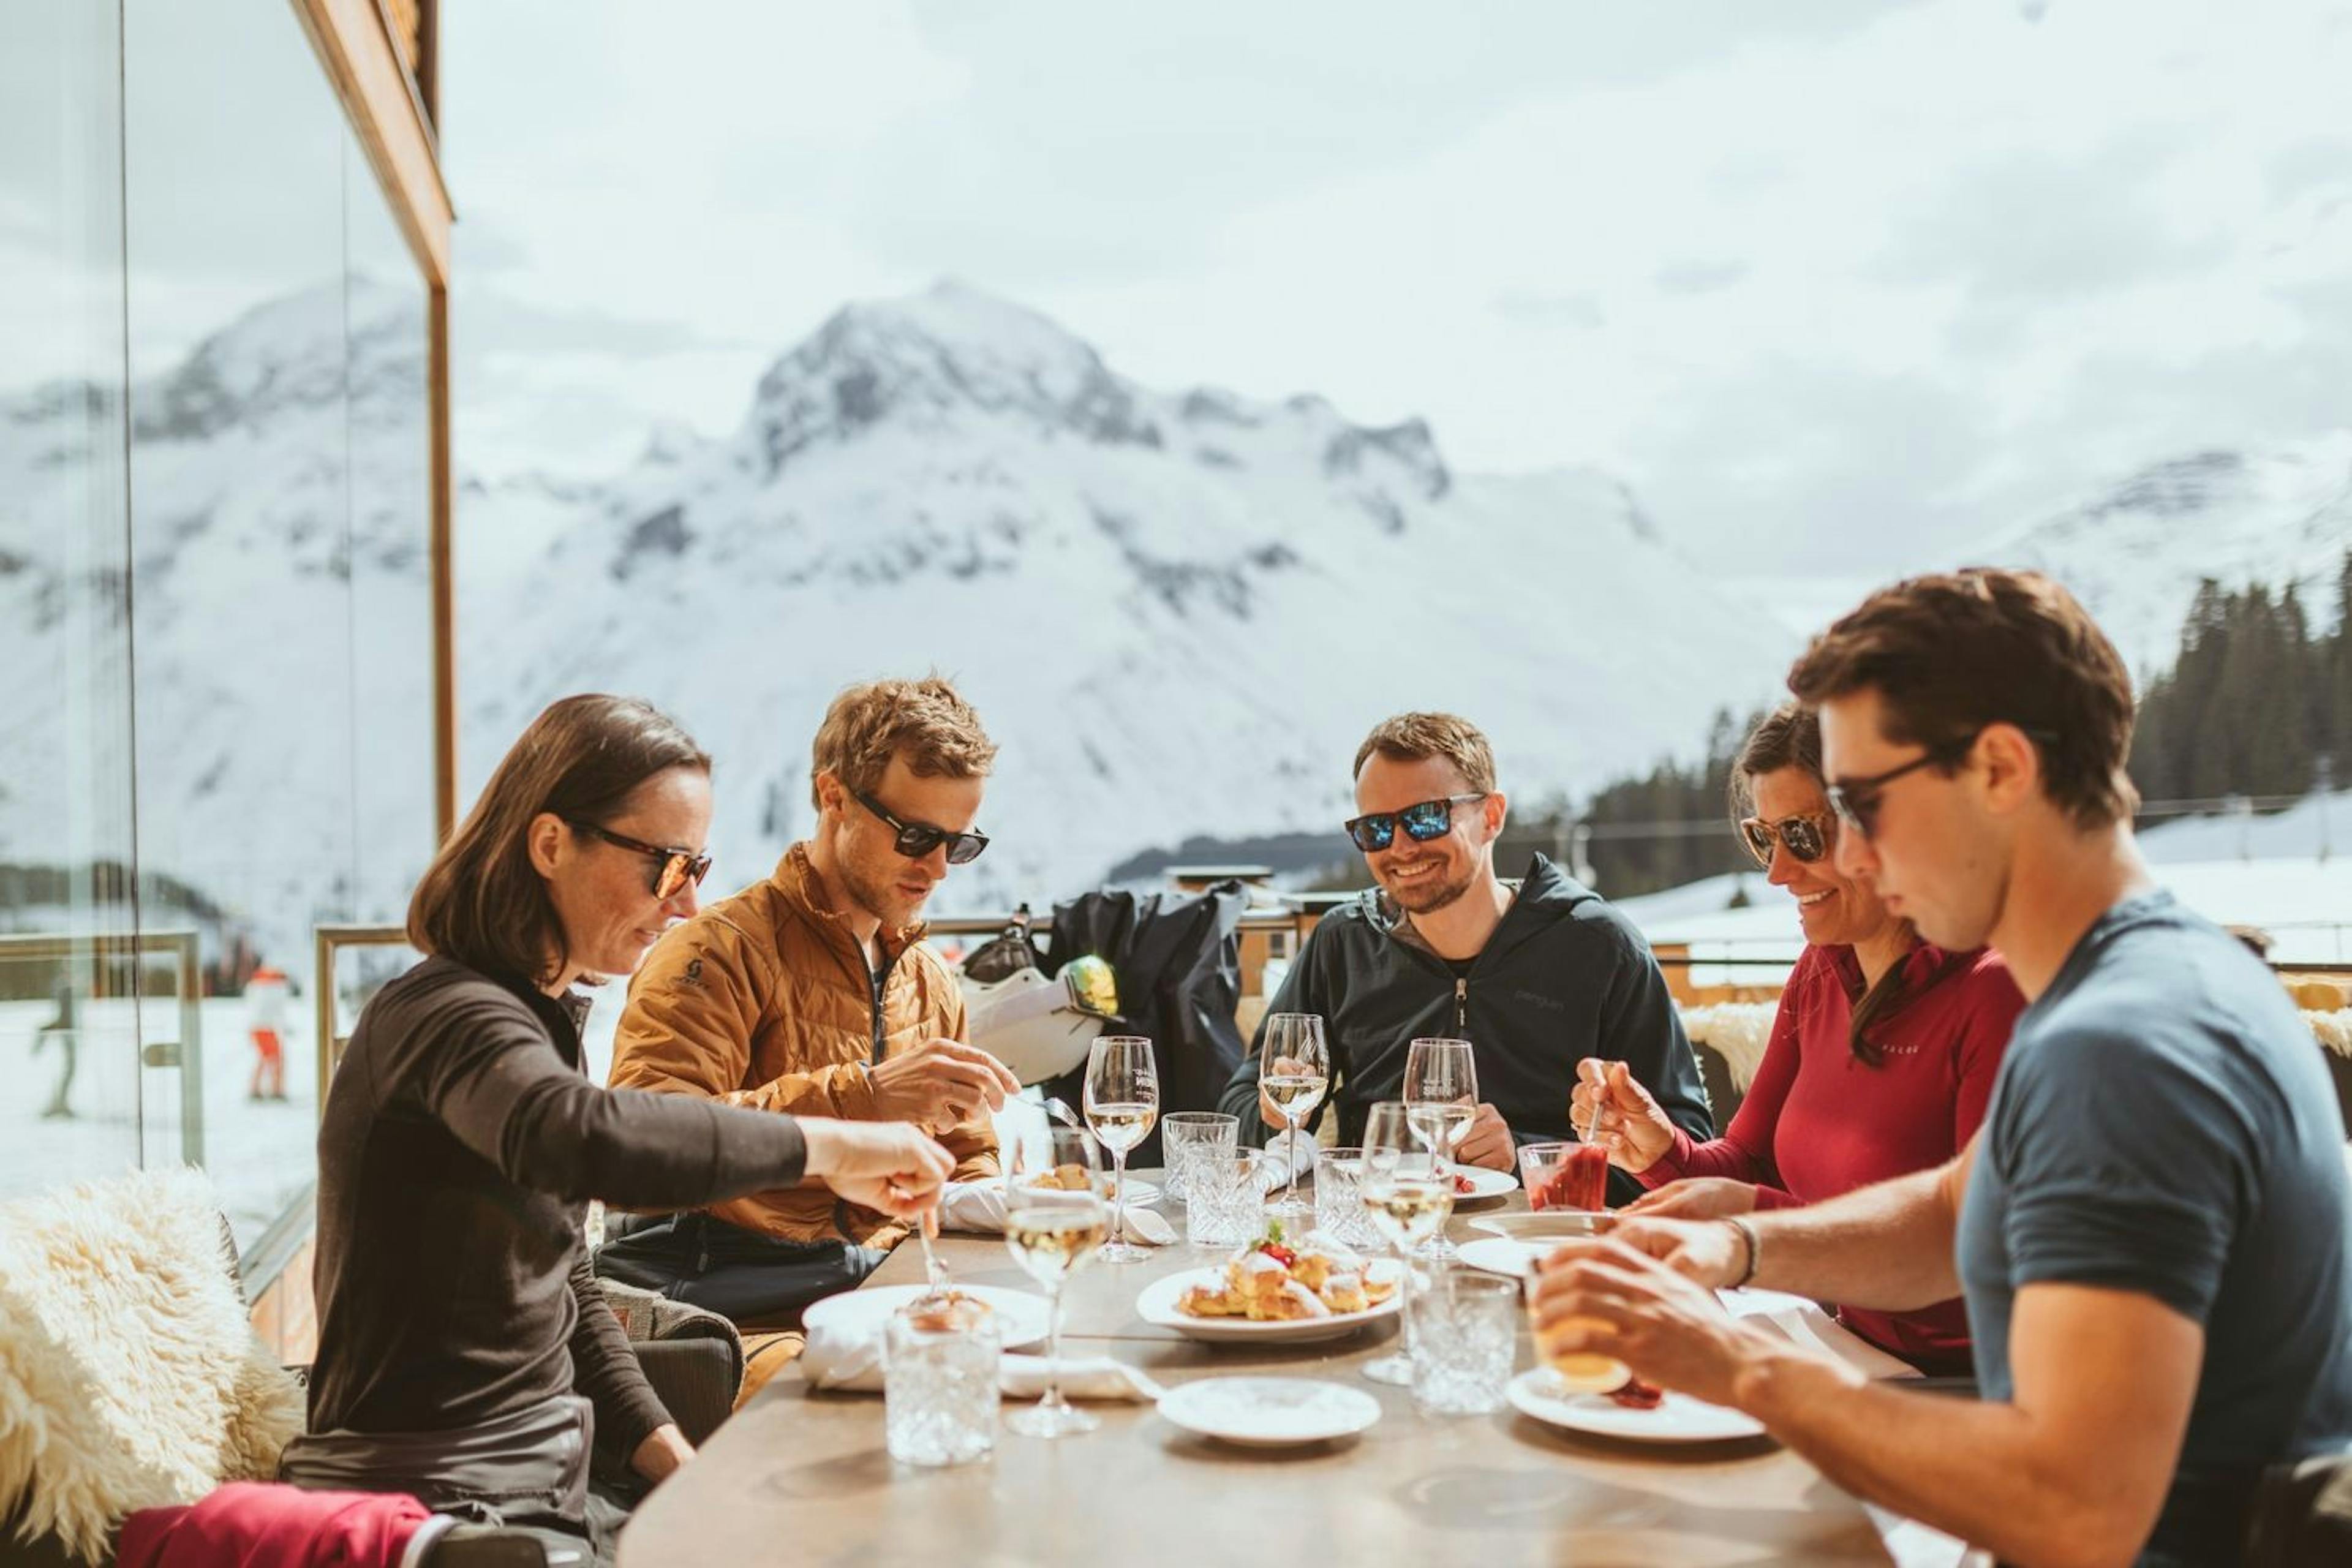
(247, 1524)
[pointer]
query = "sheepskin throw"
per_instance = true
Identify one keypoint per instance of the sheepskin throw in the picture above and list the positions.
(2333, 1030)
(129, 1376)
(1738, 1030)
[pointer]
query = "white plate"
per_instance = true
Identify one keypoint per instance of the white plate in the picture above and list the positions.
(1485, 1185)
(1549, 1224)
(1020, 1317)
(1501, 1255)
(1680, 1419)
(1269, 1411)
(1156, 1305)
(1140, 1194)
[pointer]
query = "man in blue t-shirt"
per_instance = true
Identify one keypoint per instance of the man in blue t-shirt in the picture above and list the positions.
(2151, 1227)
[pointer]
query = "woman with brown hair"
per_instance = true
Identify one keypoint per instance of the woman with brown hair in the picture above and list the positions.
(1882, 1058)
(465, 1353)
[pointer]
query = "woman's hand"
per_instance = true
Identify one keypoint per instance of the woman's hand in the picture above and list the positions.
(1697, 1197)
(888, 1167)
(1614, 1110)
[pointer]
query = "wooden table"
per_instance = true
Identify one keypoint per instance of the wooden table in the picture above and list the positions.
(803, 1477)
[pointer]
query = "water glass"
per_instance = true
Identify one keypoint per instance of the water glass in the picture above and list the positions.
(1466, 1334)
(1224, 1197)
(938, 1389)
(1340, 1199)
(1183, 1132)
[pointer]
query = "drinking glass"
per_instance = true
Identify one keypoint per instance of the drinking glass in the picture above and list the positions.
(1052, 1231)
(938, 1390)
(1122, 1101)
(1565, 1177)
(1441, 1089)
(1464, 1342)
(1181, 1132)
(1340, 1198)
(1224, 1196)
(1294, 1072)
(1408, 1193)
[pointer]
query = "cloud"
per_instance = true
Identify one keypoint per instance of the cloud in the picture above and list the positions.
(1699, 277)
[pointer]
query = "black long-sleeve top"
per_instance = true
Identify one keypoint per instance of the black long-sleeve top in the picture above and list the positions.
(460, 1143)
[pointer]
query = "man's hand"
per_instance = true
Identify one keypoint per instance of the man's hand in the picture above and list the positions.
(884, 1165)
(1610, 1108)
(664, 1449)
(940, 1084)
(1709, 1252)
(1696, 1198)
(1603, 1297)
(1489, 1142)
(1270, 1113)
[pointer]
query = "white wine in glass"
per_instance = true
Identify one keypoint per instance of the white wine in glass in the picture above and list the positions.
(1294, 1076)
(1440, 1090)
(1052, 1232)
(1122, 1101)
(1408, 1193)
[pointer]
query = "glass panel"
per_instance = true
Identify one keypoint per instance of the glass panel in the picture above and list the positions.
(392, 590)
(241, 542)
(69, 1084)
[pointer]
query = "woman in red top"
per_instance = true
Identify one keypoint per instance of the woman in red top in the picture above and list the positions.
(1882, 1058)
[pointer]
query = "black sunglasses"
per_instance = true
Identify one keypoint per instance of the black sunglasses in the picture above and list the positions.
(917, 839)
(675, 868)
(1856, 801)
(1422, 820)
(1806, 838)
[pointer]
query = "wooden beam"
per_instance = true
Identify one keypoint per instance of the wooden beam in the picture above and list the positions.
(354, 43)
(439, 539)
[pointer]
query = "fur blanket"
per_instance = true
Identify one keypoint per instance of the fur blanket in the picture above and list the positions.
(1738, 1030)
(129, 1376)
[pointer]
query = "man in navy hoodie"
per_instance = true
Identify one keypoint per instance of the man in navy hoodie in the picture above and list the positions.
(1534, 973)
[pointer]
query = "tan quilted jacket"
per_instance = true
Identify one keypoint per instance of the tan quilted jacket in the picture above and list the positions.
(763, 1000)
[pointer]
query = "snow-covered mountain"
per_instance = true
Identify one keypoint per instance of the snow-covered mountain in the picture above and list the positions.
(1177, 611)
(276, 613)
(2135, 555)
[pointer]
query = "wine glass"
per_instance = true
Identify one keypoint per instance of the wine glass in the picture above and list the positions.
(1295, 1071)
(1409, 1193)
(1053, 1230)
(1122, 1101)
(1441, 1093)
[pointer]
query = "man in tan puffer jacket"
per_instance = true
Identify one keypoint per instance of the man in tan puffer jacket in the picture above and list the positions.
(813, 993)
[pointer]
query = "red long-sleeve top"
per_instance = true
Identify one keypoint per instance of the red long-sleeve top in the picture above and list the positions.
(1818, 1122)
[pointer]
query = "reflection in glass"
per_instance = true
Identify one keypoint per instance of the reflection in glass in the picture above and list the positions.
(70, 1085)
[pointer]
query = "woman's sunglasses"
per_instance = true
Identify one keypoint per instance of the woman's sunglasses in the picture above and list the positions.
(1422, 820)
(917, 839)
(673, 868)
(1806, 838)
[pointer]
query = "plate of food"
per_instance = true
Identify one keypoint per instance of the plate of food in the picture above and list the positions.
(1020, 1317)
(1269, 1411)
(1634, 1411)
(1273, 1291)
(1475, 1183)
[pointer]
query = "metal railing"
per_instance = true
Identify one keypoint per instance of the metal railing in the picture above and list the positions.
(184, 1055)
(327, 941)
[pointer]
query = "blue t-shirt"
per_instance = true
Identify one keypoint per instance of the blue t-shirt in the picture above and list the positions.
(2163, 1124)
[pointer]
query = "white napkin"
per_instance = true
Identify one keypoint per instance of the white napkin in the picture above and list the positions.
(979, 1206)
(851, 1361)
(1298, 1148)
(1803, 1322)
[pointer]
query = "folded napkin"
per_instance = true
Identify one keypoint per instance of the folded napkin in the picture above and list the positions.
(1296, 1148)
(1803, 1322)
(979, 1206)
(850, 1361)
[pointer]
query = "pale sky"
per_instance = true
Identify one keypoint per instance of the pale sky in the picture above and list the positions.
(1830, 285)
